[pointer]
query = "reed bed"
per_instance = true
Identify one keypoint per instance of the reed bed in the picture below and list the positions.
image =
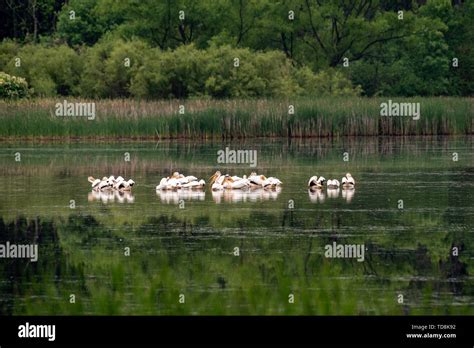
(234, 119)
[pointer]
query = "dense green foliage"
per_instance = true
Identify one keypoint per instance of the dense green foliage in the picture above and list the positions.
(103, 71)
(187, 48)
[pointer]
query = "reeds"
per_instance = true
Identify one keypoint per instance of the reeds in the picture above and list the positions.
(234, 119)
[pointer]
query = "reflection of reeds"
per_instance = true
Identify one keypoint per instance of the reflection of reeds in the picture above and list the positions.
(173, 156)
(230, 119)
(81, 255)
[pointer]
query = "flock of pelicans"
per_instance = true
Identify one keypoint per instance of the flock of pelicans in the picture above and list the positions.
(220, 184)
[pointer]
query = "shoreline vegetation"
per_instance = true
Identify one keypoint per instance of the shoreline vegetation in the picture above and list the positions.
(325, 117)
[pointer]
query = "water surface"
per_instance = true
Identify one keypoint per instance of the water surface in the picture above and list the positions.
(185, 243)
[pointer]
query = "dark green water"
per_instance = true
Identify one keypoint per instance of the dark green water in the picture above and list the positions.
(190, 250)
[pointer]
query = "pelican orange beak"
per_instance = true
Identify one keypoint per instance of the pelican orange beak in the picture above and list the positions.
(212, 179)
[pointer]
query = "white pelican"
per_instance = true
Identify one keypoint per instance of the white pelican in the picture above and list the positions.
(104, 184)
(94, 182)
(271, 183)
(191, 178)
(162, 184)
(239, 183)
(195, 184)
(348, 181)
(333, 184)
(315, 182)
(217, 187)
(257, 180)
(173, 183)
(110, 183)
(177, 181)
(217, 177)
(127, 185)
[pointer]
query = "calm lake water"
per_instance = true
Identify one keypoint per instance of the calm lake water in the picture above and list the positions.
(190, 249)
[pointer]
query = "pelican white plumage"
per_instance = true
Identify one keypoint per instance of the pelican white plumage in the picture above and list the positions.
(191, 178)
(271, 183)
(110, 183)
(217, 177)
(333, 184)
(217, 187)
(240, 183)
(348, 181)
(104, 184)
(126, 185)
(316, 183)
(178, 181)
(173, 183)
(256, 180)
(195, 184)
(162, 184)
(94, 183)
(219, 182)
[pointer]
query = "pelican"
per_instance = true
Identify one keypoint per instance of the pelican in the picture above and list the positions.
(173, 183)
(110, 183)
(123, 185)
(217, 177)
(191, 178)
(236, 182)
(348, 181)
(104, 184)
(127, 185)
(271, 183)
(316, 183)
(257, 180)
(178, 181)
(333, 184)
(162, 184)
(195, 184)
(94, 182)
(217, 187)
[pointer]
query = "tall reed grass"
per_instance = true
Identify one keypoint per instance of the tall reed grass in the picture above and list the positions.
(230, 119)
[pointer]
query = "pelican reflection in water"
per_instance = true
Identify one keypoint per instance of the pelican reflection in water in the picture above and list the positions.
(316, 196)
(111, 196)
(319, 196)
(253, 195)
(348, 194)
(174, 197)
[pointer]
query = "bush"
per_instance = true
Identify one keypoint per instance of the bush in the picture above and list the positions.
(100, 71)
(328, 82)
(105, 73)
(50, 71)
(12, 87)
